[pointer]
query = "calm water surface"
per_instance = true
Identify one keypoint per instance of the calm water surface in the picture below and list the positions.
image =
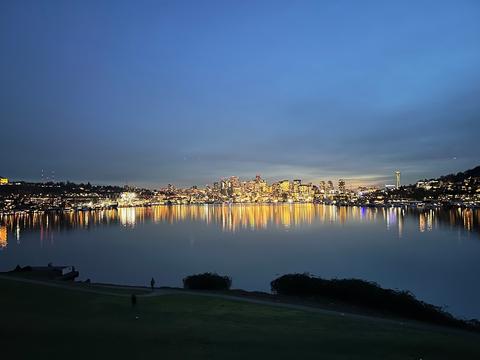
(433, 253)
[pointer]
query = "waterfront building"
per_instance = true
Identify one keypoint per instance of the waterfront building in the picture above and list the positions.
(428, 184)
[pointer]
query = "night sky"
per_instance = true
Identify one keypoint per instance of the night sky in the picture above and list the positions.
(184, 92)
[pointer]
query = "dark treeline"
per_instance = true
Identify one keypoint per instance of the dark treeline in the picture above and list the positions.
(56, 188)
(367, 294)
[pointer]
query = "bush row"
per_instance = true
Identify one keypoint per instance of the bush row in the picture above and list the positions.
(207, 281)
(367, 294)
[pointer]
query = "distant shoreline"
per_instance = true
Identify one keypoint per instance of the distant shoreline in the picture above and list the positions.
(411, 205)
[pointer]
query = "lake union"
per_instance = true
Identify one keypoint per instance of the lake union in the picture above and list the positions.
(433, 253)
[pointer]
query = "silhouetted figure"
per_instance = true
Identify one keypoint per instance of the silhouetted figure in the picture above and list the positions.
(134, 300)
(152, 283)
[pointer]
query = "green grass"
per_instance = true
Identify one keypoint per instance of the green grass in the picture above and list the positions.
(43, 322)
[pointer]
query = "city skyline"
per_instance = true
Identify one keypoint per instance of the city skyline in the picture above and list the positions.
(348, 183)
(169, 92)
(452, 190)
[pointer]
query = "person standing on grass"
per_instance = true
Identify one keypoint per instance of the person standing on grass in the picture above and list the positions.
(134, 304)
(152, 283)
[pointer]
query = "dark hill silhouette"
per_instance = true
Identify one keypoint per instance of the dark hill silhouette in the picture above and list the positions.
(460, 176)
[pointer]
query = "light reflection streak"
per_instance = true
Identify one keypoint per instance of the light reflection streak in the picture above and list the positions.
(3, 237)
(127, 217)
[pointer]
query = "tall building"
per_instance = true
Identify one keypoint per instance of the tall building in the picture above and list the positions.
(322, 186)
(284, 185)
(3, 180)
(234, 181)
(330, 186)
(397, 179)
(296, 185)
(341, 186)
(305, 190)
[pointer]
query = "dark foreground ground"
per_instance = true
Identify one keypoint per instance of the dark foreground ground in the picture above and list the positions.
(40, 322)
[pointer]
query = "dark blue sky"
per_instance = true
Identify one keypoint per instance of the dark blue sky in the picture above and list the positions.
(156, 92)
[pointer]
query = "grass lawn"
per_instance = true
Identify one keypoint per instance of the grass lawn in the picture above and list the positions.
(39, 322)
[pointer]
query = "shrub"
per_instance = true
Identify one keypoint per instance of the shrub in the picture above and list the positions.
(367, 294)
(207, 281)
(18, 268)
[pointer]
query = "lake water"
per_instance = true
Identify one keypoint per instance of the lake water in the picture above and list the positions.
(433, 253)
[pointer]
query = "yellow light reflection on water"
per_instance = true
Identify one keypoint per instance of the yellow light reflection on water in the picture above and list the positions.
(3, 237)
(236, 217)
